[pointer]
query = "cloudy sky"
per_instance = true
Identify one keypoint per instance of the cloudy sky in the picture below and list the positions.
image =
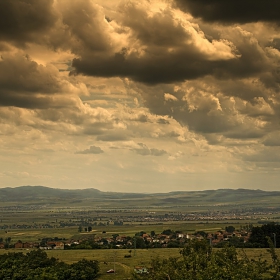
(140, 96)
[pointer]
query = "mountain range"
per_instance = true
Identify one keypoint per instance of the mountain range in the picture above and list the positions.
(41, 194)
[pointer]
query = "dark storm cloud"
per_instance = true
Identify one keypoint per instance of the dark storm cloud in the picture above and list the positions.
(26, 84)
(163, 49)
(159, 47)
(232, 11)
(91, 150)
(151, 46)
(25, 20)
(148, 69)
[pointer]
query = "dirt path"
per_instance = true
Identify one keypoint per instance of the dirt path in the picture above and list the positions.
(126, 268)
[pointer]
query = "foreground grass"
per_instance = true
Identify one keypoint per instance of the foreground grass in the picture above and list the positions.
(110, 259)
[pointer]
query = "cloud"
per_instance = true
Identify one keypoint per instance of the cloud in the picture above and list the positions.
(23, 21)
(92, 150)
(147, 46)
(272, 139)
(112, 137)
(177, 77)
(152, 46)
(169, 97)
(145, 151)
(24, 83)
(93, 33)
(231, 11)
(266, 155)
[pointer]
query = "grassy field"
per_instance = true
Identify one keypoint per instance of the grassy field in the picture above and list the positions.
(110, 259)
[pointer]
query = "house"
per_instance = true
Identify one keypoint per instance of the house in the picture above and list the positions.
(141, 270)
(57, 245)
(180, 235)
(27, 245)
(18, 245)
(121, 239)
(189, 236)
(149, 239)
(215, 242)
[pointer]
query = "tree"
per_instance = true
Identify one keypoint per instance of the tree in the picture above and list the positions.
(259, 235)
(115, 235)
(140, 233)
(167, 232)
(7, 242)
(36, 265)
(199, 262)
(140, 242)
(202, 233)
(83, 270)
(230, 229)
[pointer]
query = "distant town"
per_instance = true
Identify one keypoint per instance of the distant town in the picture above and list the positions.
(95, 218)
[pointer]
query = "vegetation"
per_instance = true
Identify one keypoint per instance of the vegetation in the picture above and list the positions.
(108, 259)
(259, 235)
(37, 265)
(199, 261)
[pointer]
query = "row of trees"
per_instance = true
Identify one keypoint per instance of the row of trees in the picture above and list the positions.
(36, 265)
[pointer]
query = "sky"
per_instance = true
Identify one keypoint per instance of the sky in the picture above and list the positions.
(140, 96)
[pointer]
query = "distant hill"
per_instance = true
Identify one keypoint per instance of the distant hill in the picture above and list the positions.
(40, 194)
